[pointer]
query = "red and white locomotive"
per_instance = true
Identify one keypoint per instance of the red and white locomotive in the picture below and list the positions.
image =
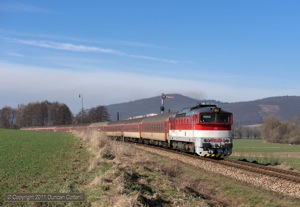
(204, 129)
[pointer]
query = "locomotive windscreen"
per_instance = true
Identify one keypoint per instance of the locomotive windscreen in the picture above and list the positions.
(215, 118)
(207, 118)
(224, 118)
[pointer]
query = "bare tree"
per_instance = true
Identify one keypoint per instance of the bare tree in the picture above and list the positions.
(59, 114)
(277, 131)
(95, 114)
(256, 132)
(43, 114)
(237, 132)
(98, 114)
(247, 132)
(7, 117)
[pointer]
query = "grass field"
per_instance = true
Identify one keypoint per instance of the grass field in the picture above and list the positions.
(114, 174)
(288, 156)
(41, 162)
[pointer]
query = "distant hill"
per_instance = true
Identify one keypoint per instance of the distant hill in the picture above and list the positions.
(254, 112)
(245, 113)
(149, 105)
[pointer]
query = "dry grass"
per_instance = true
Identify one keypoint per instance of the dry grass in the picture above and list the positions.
(96, 143)
(124, 201)
(93, 138)
(127, 176)
(132, 177)
(107, 188)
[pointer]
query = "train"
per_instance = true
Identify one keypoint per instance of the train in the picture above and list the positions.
(204, 130)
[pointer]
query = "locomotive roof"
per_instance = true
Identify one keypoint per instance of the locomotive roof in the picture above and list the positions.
(200, 108)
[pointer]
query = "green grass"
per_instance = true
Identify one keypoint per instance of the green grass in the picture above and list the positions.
(257, 145)
(41, 162)
(267, 153)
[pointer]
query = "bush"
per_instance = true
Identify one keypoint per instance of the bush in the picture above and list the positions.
(276, 131)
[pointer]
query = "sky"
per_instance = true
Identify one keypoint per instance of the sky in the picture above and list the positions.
(119, 51)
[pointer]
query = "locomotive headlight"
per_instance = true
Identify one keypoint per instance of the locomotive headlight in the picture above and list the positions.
(216, 110)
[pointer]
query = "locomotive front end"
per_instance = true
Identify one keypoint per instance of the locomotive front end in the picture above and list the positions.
(216, 147)
(213, 132)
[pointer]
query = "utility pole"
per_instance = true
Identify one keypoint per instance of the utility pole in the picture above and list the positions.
(81, 96)
(163, 97)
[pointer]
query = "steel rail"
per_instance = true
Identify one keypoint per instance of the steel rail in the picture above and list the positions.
(252, 167)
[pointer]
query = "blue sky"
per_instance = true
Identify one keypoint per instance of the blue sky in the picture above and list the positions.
(118, 51)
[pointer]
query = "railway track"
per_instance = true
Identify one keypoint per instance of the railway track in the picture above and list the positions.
(264, 170)
(290, 176)
(270, 178)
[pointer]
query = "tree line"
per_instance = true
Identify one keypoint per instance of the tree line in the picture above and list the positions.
(273, 130)
(48, 114)
(246, 132)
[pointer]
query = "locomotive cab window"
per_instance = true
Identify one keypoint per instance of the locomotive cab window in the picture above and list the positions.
(207, 118)
(224, 118)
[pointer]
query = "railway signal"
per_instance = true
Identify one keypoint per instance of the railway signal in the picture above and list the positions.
(163, 97)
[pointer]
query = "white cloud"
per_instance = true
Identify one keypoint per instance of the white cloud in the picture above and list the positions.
(67, 46)
(83, 48)
(153, 58)
(133, 44)
(101, 41)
